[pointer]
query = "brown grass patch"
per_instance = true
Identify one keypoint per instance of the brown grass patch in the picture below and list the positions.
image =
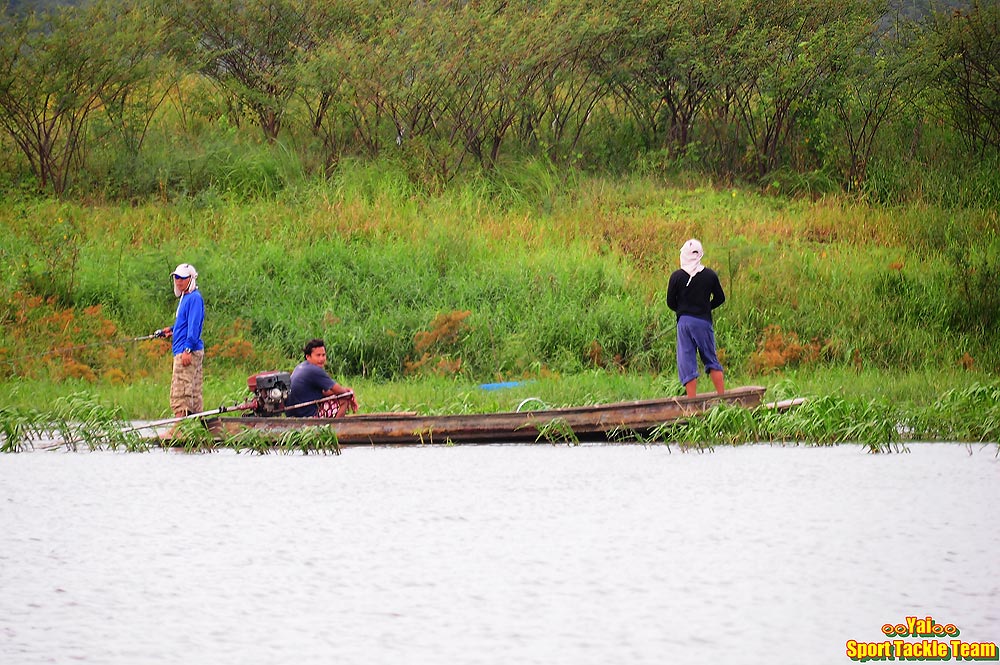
(436, 345)
(779, 349)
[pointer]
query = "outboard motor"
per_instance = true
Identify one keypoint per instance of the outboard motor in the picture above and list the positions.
(270, 390)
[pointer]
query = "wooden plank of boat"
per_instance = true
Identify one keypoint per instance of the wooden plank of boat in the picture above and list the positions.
(596, 422)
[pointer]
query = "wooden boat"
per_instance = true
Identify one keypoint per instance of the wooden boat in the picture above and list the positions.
(600, 422)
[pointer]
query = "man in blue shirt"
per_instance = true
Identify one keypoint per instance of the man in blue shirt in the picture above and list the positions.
(188, 348)
(310, 382)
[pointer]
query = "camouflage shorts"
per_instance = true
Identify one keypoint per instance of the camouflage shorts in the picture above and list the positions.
(185, 386)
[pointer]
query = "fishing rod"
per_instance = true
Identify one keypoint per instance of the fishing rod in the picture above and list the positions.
(159, 334)
(201, 414)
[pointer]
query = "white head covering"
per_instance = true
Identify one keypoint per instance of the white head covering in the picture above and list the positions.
(185, 270)
(691, 254)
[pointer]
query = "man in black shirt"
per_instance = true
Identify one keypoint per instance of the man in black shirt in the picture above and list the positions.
(693, 292)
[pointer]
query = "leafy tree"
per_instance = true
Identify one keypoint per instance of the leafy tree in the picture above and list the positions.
(131, 100)
(252, 49)
(572, 50)
(782, 52)
(413, 87)
(875, 82)
(386, 80)
(967, 44)
(444, 81)
(327, 73)
(57, 68)
(666, 62)
(492, 68)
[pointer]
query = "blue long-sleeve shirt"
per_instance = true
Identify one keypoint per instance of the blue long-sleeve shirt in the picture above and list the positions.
(190, 318)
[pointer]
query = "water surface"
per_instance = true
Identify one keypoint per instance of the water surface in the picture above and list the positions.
(493, 554)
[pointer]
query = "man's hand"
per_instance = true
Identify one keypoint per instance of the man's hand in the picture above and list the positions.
(163, 332)
(186, 357)
(351, 405)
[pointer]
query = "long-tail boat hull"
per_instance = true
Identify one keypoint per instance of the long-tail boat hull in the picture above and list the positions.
(602, 422)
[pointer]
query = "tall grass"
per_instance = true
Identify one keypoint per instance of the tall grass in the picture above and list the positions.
(532, 272)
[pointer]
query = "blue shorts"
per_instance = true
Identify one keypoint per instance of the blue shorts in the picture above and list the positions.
(695, 337)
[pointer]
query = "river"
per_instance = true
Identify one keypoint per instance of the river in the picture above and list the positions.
(493, 554)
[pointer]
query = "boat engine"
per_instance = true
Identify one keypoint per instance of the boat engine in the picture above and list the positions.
(270, 390)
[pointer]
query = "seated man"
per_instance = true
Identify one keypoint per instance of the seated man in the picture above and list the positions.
(310, 382)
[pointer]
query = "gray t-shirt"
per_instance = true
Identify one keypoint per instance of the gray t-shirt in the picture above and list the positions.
(308, 383)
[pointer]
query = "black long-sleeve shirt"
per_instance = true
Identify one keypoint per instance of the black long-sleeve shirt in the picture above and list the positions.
(698, 298)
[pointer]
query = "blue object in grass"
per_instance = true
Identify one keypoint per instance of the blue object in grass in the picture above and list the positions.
(502, 385)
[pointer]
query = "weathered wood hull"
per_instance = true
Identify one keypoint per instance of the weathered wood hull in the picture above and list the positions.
(617, 421)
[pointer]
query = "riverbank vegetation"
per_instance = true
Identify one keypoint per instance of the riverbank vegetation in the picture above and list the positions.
(970, 414)
(403, 284)
(474, 192)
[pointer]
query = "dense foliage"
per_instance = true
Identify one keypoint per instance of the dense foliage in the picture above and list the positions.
(124, 99)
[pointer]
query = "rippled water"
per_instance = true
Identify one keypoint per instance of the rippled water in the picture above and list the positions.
(497, 554)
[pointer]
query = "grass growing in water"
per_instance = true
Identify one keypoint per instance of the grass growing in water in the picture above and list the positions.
(74, 420)
(820, 421)
(970, 414)
(967, 415)
(192, 436)
(557, 430)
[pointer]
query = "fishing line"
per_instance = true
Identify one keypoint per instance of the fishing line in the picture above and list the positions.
(69, 349)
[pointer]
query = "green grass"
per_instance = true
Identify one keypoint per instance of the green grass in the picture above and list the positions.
(369, 273)
(552, 277)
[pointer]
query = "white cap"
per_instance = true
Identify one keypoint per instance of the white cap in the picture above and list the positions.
(185, 270)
